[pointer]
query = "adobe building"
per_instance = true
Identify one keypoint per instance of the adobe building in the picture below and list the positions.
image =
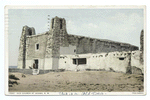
(56, 49)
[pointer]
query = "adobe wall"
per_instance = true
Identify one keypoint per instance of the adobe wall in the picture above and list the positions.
(105, 61)
(57, 42)
(26, 31)
(32, 53)
(136, 60)
(114, 61)
(31, 42)
(92, 45)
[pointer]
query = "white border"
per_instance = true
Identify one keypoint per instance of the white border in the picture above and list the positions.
(69, 7)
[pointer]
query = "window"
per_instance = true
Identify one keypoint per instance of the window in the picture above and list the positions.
(52, 23)
(30, 31)
(79, 61)
(82, 61)
(60, 23)
(74, 50)
(100, 55)
(121, 58)
(74, 61)
(37, 47)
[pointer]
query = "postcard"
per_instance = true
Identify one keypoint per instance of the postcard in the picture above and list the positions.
(75, 50)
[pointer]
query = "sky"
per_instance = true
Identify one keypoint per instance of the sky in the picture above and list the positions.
(122, 25)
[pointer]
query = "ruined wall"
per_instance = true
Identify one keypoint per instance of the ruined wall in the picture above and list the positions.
(91, 45)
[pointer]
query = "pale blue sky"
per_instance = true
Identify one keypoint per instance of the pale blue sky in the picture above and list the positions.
(123, 25)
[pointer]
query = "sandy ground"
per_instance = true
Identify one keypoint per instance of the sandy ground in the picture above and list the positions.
(83, 81)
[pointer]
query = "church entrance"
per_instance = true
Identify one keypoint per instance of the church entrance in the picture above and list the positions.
(36, 63)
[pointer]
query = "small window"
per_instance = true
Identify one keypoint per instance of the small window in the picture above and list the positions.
(121, 58)
(30, 31)
(60, 23)
(37, 46)
(106, 55)
(74, 50)
(74, 61)
(79, 61)
(82, 61)
(52, 23)
(100, 55)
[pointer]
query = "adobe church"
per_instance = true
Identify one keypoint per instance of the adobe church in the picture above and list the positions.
(56, 49)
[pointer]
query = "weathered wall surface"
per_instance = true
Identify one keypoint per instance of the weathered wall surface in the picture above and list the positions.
(57, 38)
(114, 61)
(68, 50)
(31, 50)
(26, 31)
(66, 62)
(136, 61)
(33, 53)
(91, 45)
(118, 61)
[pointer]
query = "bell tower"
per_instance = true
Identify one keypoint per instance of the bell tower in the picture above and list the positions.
(57, 38)
(26, 31)
(59, 32)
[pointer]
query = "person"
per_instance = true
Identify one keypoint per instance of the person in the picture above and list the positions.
(33, 65)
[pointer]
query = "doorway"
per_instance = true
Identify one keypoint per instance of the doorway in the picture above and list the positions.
(36, 63)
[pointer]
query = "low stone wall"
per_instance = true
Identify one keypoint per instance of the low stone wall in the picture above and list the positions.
(25, 71)
(14, 70)
(29, 71)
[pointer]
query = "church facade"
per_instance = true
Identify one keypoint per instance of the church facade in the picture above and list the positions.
(47, 50)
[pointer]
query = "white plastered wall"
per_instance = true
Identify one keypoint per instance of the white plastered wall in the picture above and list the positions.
(30, 63)
(47, 63)
(97, 61)
(19, 65)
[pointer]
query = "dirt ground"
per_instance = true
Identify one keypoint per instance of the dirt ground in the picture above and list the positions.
(82, 81)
